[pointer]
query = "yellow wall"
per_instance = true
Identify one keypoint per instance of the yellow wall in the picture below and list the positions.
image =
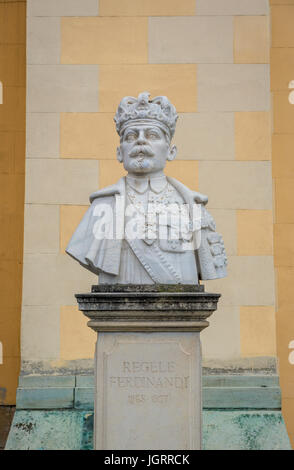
(282, 73)
(12, 169)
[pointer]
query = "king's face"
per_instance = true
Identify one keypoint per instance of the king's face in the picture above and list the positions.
(144, 149)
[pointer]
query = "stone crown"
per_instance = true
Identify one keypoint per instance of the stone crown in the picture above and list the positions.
(159, 110)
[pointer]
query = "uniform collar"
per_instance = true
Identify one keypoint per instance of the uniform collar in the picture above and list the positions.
(142, 184)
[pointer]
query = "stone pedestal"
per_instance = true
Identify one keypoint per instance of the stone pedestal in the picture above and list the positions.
(148, 364)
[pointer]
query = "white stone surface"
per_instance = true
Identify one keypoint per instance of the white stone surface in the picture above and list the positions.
(191, 39)
(221, 340)
(41, 228)
(40, 333)
(233, 87)
(43, 40)
(43, 135)
(62, 7)
(60, 181)
(62, 88)
(50, 279)
(245, 286)
(232, 7)
(148, 391)
(236, 184)
(213, 136)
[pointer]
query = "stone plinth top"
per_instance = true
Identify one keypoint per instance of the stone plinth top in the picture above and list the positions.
(148, 288)
(148, 307)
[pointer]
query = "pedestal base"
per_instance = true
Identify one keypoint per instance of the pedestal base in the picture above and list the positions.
(148, 364)
(148, 391)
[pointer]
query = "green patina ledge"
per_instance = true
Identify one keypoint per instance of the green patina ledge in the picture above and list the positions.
(239, 412)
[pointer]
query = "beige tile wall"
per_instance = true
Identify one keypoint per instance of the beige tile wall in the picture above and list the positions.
(210, 57)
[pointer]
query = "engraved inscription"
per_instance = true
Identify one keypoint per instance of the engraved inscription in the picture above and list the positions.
(147, 386)
(146, 376)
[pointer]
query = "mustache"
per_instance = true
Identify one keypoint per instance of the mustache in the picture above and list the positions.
(145, 149)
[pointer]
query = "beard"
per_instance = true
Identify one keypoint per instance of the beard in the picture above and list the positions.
(141, 158)
(141, 164)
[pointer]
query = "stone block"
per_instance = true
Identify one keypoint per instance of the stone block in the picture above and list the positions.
(130, 368)
(226, 224)
(236, 185)
(41, 228)
(45, 398)
(191, 40)
(63, 278)
(42, 135)
(232, 7)
(84, 398)
(258, 331)
(76, 340)
(40, 331)
(255, 232)
(205, 136)
(240, 381)
(85, 381)
(62, 8)
(253, 135)
(88, 135)
(222, 338)
(238, 398)
(102, 40)
(62, 88)
(177, 81)
(282, 156)
(70, 217)
(245, 287)
(184, 171)
(110, 171)
(251, 40)
(43, 40)
(73, 181)
(146, 8)
(46, 381)
(233, 87)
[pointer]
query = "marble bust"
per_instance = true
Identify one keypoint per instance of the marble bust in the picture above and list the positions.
(148, 228)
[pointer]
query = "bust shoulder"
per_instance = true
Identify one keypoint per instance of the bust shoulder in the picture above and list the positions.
(187, 193)
(112, 190)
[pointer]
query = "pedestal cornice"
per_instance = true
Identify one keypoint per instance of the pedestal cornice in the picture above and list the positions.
(147, 308)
